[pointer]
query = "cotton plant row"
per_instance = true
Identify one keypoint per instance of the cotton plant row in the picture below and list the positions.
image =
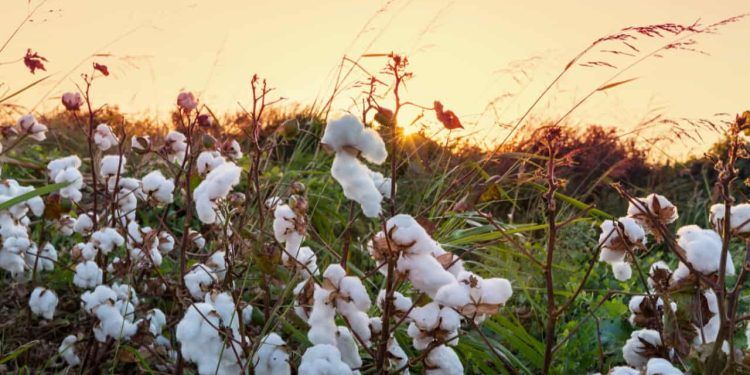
(678, 312)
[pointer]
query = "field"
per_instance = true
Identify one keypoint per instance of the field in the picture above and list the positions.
(279, 240)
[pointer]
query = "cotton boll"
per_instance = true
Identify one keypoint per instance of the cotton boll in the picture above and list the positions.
(56, 166)
(43, 302)
(271, 358)
(11, 261)
(442, 360)
(703, 249)
(201, 344)
(348, 133)
(321, 321)
(401, 303)
(113, 324)
(622, 271)
(618, 237)
(46, 259)
(104, 138)
(176, 147)
(88, 275)
(166, 242)
(323, 359)
(424, 272)
(347, 346)
(74, 178)
(102, 294)
(68, 352)
(198, 280)
(653, 205)
(231, 149)
(156, 321)
(29, 125)
(84, 223)
(217, 185)
(224, 305)
(383, 184)
(431, 320)
(637, 344)
(112, 165)
(65, 225)
(208, 161)
(158, 187)
(125, 292)
(356, 181)
(107, 239)
(660, 366)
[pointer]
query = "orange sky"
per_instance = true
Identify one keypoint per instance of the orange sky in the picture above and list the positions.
(460, 53)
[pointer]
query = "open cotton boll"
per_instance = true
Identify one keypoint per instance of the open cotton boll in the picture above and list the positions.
(84, 223)
(356, 181)
(12, 262)
(158, 187)
(739, 221)
(383, 184)
(431, 323)
(653, 205)
(323, 359)
(43, 302)
(104, 138)
(659, 270)
(56, 166)
(67, 350)
(107, 239)
(112, 165)
(474, 296)
(102, 294)
(175, 146)
(231, 149)
(618, 237)
(271, 358)
(74, 178)
(166, 242)
(622, 271)
(425, 273)
(146, 258)
(202, 344)
(348, 348)
(29, 125)
(401, 303)
(347, 132)
(703, 249)
(46, 259)
(660, 366)
(112, 324)
(198, 280)
(322, 318)
(638, 343)
(208, 161)
(156, 321)
(224, 305)
(217, 184)
(442, 360)
(88, 275)
(125, 292)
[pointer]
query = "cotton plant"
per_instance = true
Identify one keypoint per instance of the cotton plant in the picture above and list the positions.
(679, 311)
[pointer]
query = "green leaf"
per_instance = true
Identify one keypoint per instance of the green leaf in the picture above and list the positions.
(34, 193)
(20, 350)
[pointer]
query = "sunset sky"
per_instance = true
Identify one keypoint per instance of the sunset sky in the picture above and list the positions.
(464, 53)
